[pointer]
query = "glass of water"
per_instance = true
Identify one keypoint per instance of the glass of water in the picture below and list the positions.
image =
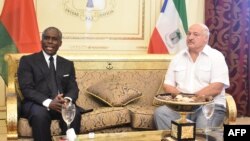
(68, 113)
(208, 111)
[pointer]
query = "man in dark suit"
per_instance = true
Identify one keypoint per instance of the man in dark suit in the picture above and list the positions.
(44, 96)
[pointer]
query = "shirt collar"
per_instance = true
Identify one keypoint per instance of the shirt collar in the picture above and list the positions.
(48, 56)
(206, 50)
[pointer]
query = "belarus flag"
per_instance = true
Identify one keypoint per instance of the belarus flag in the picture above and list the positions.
(169, 35)
(18, 30)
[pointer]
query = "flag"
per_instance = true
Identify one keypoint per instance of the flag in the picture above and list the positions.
(18, 30)
(169, 33)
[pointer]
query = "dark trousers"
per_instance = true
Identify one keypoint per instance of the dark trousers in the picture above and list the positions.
(40, 120)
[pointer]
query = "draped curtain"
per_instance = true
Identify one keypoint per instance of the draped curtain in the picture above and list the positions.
(229, 23)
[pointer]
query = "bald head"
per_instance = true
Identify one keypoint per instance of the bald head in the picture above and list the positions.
(204, 29)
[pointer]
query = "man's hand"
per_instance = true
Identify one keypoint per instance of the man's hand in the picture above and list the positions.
(57, 102)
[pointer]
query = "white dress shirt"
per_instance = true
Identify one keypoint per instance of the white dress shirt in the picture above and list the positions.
(47, 102)
(189, 77)
(46, 56)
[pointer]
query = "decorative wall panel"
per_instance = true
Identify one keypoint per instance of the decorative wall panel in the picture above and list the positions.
(100, 25)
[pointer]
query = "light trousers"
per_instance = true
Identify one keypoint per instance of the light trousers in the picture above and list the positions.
(164, 115)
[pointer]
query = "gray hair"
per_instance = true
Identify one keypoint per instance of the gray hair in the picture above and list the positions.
(205, 29)
(53, 28)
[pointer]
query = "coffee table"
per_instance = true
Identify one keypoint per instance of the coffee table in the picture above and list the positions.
(122, 136)
(155, 135)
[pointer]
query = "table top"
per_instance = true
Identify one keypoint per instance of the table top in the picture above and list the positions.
(155, 135)
(122, 136)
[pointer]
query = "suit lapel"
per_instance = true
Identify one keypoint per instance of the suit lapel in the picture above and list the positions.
(59, 66)
(42, 63)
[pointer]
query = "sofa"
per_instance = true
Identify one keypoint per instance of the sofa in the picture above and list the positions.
(119, 88)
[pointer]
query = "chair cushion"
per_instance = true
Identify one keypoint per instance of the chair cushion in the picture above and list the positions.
(103, 118)
(142, 116)
(100, 118)
(24, 129)
(114, 91)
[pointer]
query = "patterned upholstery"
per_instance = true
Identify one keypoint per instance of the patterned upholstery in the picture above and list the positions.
(137, 115)
(24, 130)
(146, 81)
(106, 117)
(114, 91)
(142, 117)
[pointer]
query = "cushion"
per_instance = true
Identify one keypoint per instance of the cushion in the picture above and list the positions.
(114, 92)
(101, 118)
(142, 117)
(24, 129)
(104, 118)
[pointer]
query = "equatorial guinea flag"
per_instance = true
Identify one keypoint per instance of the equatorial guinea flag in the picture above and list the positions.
(18, 30)
(170, 31)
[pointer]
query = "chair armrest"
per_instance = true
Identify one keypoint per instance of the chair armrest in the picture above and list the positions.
(231, 114)
(12, 114)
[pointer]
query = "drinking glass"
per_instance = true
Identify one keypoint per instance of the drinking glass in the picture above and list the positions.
(68, 113)
(208, 111)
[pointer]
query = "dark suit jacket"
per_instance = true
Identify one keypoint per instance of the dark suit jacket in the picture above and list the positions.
(33, 73)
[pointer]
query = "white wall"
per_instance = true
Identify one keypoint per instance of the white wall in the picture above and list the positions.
(195, 11)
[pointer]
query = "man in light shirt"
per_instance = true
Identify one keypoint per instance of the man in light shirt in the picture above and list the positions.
(199, 70)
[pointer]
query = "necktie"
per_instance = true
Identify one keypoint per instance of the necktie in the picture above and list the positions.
(53, 81)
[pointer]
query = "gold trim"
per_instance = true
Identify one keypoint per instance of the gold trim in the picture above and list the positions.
(11, 114)
(231, 110)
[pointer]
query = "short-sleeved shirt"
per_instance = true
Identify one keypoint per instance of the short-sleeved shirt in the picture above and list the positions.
(190, 77)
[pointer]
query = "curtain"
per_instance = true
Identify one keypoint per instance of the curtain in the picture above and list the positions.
(229, 23)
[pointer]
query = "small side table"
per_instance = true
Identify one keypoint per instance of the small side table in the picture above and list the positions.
(216, 134)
